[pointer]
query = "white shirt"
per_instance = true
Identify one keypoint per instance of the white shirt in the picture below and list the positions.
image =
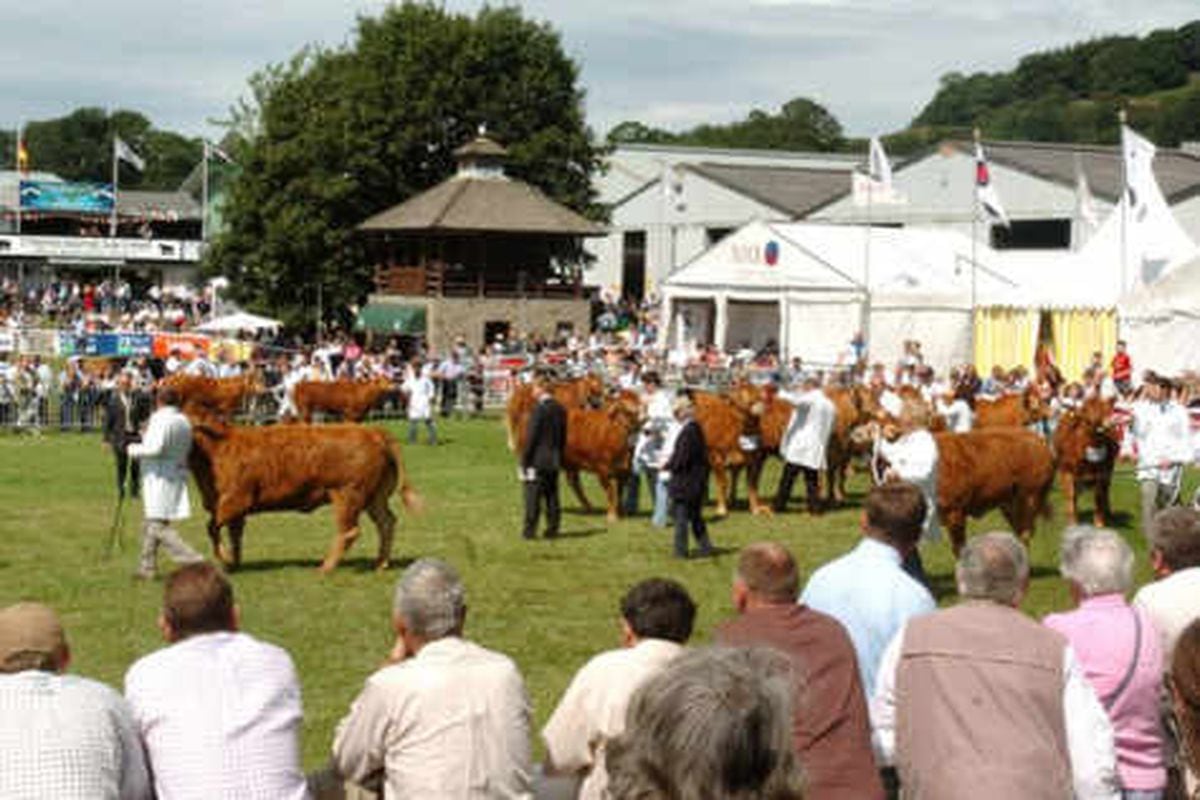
(420, 392)
(1172, 602)
(67, 738)
(959, 416)
(1090, 745)
(592, 710)
(914, 457)
(451, 722)
(808, 431)
(220, 714)
(1163, 434)
(163, 452)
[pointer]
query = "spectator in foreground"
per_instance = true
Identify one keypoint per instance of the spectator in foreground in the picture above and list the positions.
(656, 621)
(1119, 651)
(1185, 692)
(61, 736)
(980, 701)
(712, 725)
(830, 726)
(445, 718)
(1173, 600)
(867, 590)
(218, 710)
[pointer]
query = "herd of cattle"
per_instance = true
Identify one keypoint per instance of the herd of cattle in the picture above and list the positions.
(1001, 464)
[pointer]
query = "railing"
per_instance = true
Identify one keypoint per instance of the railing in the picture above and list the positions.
(435, 280)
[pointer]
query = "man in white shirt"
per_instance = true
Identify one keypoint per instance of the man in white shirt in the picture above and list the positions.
(1162, 432)
(218, 710)
(805, 442)
(656, 621)
(1173, 599)
(420, 390)
(446, 718)
(61, 736)
(980, 701)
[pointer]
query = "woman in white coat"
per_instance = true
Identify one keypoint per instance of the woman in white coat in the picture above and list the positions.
(805, 442)
(421, 392)
(912, 455)
(163, 453)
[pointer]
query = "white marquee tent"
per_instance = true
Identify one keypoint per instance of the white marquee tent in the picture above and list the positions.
(806, 286)
(1161, 322)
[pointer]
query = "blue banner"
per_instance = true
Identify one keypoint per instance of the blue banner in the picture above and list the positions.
(79, 198)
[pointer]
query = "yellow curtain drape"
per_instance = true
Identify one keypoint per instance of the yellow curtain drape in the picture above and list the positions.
(1004, 337)
(1080, 332)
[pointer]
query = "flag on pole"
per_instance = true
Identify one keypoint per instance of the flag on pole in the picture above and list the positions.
(875, 187)
(1138, 154)
(123, 152)
(1084, 200)
(879, 168)
(218, 152)
(985, 192)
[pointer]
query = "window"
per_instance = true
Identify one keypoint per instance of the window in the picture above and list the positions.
(1033, 234)
(715, 235)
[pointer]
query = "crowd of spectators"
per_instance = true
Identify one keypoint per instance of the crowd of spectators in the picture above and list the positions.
(973, 700)
(108, 304)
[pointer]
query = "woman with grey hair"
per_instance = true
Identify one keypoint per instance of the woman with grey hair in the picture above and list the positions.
(716, 723)
(1120, 652)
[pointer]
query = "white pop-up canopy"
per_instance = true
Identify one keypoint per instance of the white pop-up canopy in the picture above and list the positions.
(239, 321)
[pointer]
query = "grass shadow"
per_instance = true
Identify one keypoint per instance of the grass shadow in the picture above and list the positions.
(356, 563)
(581, 534)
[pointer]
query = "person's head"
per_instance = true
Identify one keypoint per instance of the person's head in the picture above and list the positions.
(766, 575)
(683, 407)
(993, 566)
(1184, 673)
(197, 598)
(124, 380)
(1096, 561)
(715, 723)
(657, 608)
(1120, 345)
(32, 637)
(894, 513)
(651, 380)
(429, 604)
(168, 396)
(1175, 540)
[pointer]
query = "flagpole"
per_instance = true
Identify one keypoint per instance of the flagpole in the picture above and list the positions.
(20, 144)
(1124, 201)
(866, 321)
(974, 257)
(112, 226)
(204, 195)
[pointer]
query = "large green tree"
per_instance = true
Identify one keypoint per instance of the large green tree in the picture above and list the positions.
(334, 136)
(78, 147)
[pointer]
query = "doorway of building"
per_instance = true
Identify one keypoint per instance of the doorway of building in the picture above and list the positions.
(494, 330)
(633, 265)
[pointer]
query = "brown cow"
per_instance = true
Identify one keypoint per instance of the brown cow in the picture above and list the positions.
(351, 400)
(1086, 450)
(1007, 468)
(223, 397)
(1011, 410)
(600, 441)
(241, 471)
(725, 419)
(582, 392)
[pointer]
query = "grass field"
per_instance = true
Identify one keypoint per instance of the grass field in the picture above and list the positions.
(548, 604)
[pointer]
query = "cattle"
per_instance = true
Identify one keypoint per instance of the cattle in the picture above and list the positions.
(726, 420)
(1007, 468)
(600, 441)
(1086, 448)
(350, 400)
(1011, 410)
(582, 392)
(241, 471)
(222, 397)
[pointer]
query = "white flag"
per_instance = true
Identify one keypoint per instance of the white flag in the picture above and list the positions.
(124, 152)
(875, 187)
(215, 150)
(1083, 197)
(985, 192)
(1138, 155)
(880, 169)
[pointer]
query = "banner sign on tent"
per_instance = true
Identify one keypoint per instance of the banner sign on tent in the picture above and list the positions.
(186, 345)
(79, 198)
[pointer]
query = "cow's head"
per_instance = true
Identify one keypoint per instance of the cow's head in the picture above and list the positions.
(625, 404)
(1034, 405)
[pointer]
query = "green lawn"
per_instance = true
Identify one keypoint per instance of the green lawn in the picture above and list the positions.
(548, 604)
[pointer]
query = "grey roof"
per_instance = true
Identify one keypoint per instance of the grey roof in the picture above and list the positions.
(472, 204)
(1178, 172)
(793, 190)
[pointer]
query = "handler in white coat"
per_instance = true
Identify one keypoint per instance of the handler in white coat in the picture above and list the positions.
(1162, 432)
(805, 442)
(163, 452)
(420, 390)
(912, 455)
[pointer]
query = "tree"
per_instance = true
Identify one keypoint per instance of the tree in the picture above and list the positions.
(334, 136)
(634, 132)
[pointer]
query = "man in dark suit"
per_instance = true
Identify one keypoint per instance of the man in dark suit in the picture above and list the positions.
(125, 413)
(688, 467)
(541, 459)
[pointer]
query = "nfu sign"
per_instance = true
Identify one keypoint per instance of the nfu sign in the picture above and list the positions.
(755, 255)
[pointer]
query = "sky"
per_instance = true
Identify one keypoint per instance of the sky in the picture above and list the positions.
(668, 63)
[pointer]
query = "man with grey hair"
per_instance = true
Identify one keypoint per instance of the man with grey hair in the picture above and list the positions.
(980, 701)
(1120, 653)
(444, 718)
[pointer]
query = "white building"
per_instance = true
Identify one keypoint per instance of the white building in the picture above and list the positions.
(668, 204)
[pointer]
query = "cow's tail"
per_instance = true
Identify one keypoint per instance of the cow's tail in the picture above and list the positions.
(413, 502)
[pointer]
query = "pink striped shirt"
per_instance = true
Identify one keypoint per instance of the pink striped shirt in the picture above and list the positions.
(1102, 633)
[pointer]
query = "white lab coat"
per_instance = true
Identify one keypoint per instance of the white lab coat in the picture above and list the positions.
(652, 437)
(807, 436)
(914, 457)
(1163, 434)
(420, 392)
(959, 416)
(163, 452)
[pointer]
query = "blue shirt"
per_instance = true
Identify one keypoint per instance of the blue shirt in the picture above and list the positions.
(872, 596)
